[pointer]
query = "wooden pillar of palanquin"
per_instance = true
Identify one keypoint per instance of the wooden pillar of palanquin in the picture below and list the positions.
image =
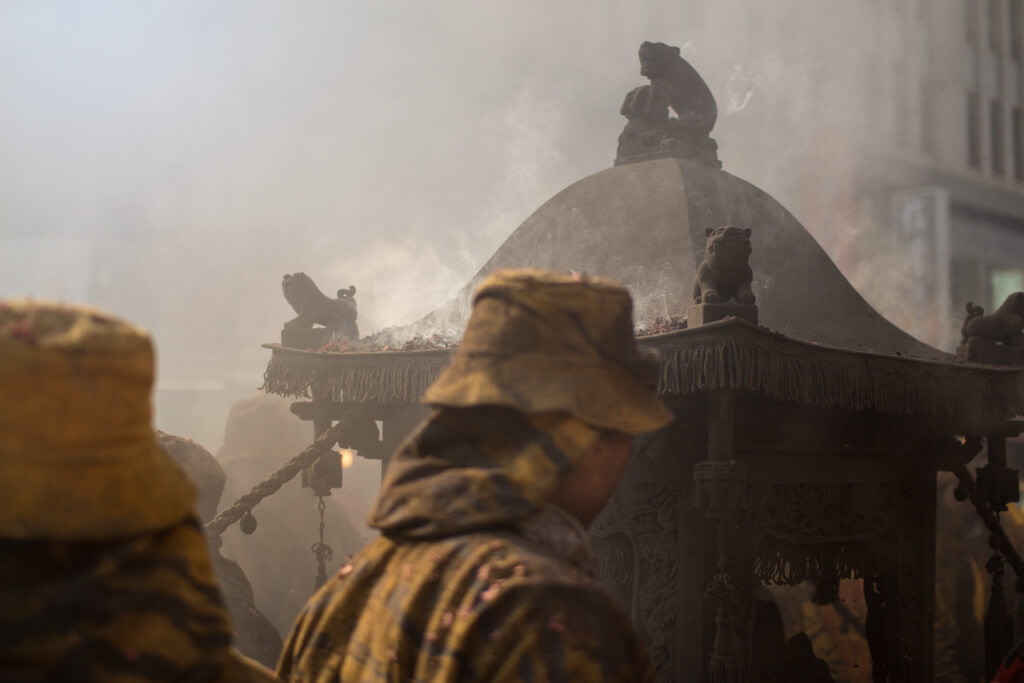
(650, 547)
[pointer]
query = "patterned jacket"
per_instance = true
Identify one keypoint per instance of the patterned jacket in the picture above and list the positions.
(475, 578)
(137, 609)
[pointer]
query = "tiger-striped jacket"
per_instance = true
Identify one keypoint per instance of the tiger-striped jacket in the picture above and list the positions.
(131, 610)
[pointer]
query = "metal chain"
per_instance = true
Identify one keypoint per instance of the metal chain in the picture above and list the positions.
(271, 484)
(321, 550)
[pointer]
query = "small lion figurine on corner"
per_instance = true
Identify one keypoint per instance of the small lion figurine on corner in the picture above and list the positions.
(316, 308)
(725, 273)
(1005, 326)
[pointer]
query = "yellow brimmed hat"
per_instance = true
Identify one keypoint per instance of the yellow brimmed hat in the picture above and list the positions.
(543, 342)
(78, 456)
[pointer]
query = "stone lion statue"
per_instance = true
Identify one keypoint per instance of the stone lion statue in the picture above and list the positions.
(316, 308)
(675, 82)
(1005, 326)
(651, 133)
(725, 273)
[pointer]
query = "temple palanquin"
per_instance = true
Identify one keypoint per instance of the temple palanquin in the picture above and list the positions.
(809, 429)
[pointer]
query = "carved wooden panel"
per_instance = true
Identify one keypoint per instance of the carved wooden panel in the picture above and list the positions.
(635, 539)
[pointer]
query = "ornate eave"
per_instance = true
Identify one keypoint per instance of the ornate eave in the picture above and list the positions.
(730, 354)
(733, 354)
(374, 377)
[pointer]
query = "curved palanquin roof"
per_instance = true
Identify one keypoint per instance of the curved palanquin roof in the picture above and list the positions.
(643, 224)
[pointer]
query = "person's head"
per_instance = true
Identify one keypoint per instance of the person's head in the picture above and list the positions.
(78, 459)
(202, 469)
(97, 523)
(593, 478)
(560, 350)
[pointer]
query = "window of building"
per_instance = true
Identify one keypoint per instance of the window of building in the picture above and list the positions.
(928, 142)
(900, 102)
(1004, 282)
(970, 21)
(1015, 144)
(1016, 28)
(995, 25)
(973, 130)
(998, 143)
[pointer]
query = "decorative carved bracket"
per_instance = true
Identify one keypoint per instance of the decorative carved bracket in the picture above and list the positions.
(720, 488)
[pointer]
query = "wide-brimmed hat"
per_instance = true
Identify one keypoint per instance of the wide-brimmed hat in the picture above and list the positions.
(543, 342)
(78, 456)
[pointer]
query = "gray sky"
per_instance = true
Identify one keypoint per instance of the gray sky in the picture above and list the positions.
(169, 160)
(354, 140)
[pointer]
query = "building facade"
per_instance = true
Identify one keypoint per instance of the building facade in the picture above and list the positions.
(892, 129)
(959, 90)
(948, 179)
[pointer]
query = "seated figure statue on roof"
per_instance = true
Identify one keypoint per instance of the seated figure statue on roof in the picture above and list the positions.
(651, 133)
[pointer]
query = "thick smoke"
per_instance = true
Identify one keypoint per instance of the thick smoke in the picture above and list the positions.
(170, 160)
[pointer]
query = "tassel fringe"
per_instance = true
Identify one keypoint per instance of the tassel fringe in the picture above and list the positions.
(733, 355)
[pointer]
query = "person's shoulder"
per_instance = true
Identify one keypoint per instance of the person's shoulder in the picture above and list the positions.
(241, 669)
(513, 581)
(481, 561)
(560, 629)
(509, 555)
(552, 601)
